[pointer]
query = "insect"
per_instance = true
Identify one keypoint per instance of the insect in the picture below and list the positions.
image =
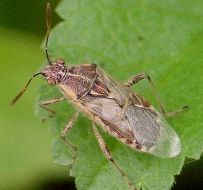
(112, 105)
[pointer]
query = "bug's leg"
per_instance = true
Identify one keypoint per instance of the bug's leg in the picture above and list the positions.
(44, 105)
(142, 76)
(177, 111)
(64, 133)
(108, 155)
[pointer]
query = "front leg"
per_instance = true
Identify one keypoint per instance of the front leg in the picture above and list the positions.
(108, 155)
(44, 105)
(142, 76)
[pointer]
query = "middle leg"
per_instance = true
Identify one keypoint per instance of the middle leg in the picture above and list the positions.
(64, 133)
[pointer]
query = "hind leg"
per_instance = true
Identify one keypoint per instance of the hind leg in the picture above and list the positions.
(108, 155)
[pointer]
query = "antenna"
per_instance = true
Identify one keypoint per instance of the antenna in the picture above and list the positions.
(48, 22)
(23, 90)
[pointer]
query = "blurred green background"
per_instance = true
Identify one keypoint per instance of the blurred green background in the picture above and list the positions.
(25, 142)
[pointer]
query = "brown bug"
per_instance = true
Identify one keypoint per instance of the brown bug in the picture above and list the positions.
(112, 105)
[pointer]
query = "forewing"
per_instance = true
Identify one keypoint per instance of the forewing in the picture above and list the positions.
(144, 126)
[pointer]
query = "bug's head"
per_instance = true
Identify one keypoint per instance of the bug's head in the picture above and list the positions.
(55, 72)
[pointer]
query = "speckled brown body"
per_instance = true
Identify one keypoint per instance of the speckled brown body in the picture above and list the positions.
(120, 111)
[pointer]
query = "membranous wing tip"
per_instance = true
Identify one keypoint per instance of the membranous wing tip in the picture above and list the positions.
(152, 132)
(168, 144)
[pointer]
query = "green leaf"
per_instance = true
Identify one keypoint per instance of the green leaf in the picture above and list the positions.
(161, 38)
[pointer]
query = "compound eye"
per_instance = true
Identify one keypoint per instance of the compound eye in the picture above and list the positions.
(60, 61)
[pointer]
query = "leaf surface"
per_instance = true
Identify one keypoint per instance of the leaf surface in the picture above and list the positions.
(163, 39)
